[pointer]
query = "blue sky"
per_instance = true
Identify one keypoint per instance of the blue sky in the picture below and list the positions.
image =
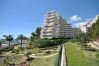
(23, 16)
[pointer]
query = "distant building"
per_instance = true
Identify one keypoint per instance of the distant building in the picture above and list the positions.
(55, 26)
(25, 41)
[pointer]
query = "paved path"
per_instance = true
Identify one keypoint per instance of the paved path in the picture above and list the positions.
(43, 56)
(8, 53)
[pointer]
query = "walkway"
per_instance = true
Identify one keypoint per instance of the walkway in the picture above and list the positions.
(43, 56)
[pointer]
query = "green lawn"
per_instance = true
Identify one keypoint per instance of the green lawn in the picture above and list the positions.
(78, 57)
(43, 61)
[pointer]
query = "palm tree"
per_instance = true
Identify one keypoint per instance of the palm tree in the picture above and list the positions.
(9, 38)
(33, 34)
(21, 37)
(38, 32)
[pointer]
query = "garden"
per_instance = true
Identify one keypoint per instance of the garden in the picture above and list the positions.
(38, 52)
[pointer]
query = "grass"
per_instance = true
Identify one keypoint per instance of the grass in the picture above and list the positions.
(50, 61)
(78, 57)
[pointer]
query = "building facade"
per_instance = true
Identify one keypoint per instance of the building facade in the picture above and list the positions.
(55, 26)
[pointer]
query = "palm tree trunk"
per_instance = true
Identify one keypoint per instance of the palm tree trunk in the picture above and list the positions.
(9, 43)
(21, 43)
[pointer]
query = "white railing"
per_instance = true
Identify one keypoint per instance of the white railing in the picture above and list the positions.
(63, 57)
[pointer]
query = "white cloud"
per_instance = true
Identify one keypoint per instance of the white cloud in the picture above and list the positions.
(75, 18)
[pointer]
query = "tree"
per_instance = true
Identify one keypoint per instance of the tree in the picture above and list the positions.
(33, 34)
(21, 37)
(88, 33)
(9, 38)
(83, 38)
(38, 32)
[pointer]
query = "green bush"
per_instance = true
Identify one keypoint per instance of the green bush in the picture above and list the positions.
(29, 59)
(41, 43)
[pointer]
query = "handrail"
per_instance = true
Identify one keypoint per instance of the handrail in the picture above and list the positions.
(58, 59)
(61, 58)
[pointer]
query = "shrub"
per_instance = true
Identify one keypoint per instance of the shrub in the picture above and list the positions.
(47, 59)
(15, 51)
(48, 52)
(7, 49)
(29, 59)
(39, 51)
(22, 48)
(59, 41)
(92, 49)
(1, 51)
(42, 43)
(28, 53)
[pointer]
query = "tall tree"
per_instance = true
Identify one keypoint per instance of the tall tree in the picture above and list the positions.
(9, 38)
(38, 32)
(33, 34)
(83, 38)
(21, 37)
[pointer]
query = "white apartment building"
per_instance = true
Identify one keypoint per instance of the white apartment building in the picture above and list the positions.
(55, 26)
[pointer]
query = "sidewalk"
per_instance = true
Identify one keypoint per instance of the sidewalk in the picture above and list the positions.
(43, 56)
